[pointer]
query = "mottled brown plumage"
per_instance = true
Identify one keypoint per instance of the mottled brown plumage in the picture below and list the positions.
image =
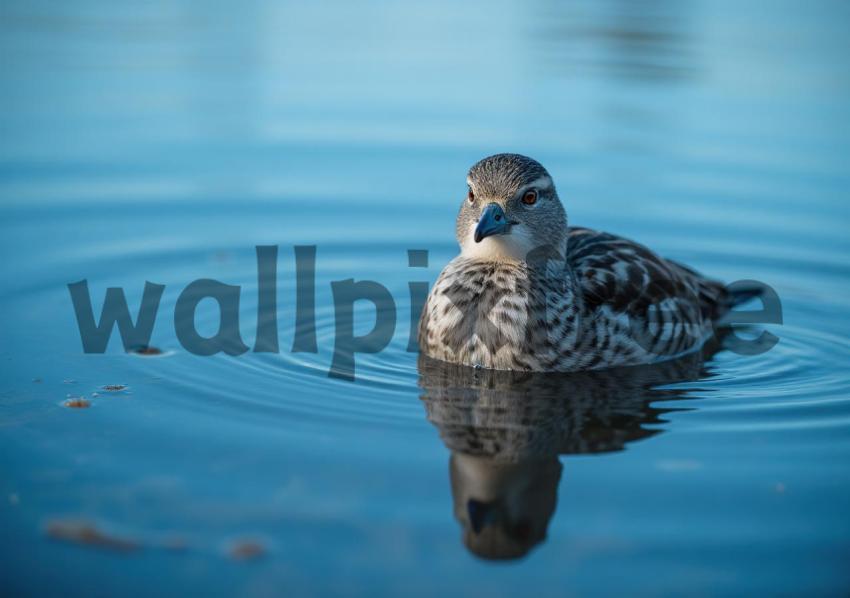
(537, 295)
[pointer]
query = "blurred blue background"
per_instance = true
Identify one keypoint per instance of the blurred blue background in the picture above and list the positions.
(163, 141)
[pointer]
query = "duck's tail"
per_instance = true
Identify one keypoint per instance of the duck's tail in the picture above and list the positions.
(741, 292)
(715, 298)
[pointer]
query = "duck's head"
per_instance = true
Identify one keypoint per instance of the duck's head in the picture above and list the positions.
(510, 210)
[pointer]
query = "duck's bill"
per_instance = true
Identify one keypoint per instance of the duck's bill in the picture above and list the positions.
(492, 222)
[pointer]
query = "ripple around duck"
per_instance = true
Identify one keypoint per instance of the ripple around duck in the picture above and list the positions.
(797, 384)
(298, 385)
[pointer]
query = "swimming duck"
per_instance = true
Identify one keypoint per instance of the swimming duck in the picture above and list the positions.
(528, 292)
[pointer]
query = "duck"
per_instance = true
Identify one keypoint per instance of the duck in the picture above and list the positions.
(529, 292)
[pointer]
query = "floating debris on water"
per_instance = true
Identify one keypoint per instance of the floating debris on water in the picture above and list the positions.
(114, 387)
(244, 550)
(77, 402)
(87, 533)
(145, 350)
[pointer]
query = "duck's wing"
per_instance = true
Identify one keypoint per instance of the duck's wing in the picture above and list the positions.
(629, 278)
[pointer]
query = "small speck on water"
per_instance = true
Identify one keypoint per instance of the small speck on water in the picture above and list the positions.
(245, 550)
(114, 387)
(77, 402)
(88, 534)
(145, 350)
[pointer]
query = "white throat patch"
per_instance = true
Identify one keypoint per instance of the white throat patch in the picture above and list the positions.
(511, 247)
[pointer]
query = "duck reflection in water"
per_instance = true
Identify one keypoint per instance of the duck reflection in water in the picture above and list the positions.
(506, 431)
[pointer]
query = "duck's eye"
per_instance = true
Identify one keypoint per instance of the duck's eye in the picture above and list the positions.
(530, 197)
(470, 196)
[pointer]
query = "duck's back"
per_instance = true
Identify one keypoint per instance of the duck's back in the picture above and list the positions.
(628, 277)
(668, 309)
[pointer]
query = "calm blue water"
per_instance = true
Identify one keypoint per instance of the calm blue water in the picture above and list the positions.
(164, 141)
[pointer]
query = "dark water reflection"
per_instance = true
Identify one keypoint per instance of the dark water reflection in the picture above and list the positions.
(646, 41)
(506, 430)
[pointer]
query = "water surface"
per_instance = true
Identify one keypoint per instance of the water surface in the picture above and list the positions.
(164, 142)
